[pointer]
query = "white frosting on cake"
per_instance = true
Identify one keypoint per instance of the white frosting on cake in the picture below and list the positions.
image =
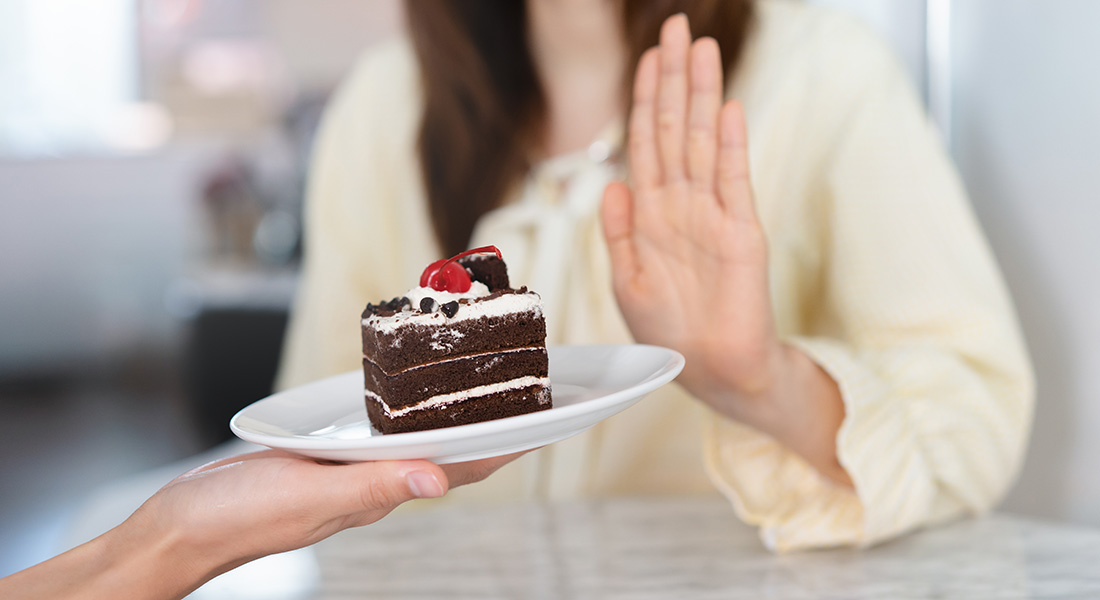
(415, 295)
(505, 304)
(474, 392)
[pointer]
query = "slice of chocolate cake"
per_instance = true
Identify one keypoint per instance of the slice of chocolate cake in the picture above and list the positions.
(462, 347)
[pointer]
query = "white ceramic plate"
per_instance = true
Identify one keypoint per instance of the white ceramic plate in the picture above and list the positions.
(328, 418)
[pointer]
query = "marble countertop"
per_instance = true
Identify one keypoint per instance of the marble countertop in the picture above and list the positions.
(641, 549)
(690, 548)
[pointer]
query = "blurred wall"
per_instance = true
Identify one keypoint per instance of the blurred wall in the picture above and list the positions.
(92, 241)
(87, 249)
(315, 45)
(1026, 104)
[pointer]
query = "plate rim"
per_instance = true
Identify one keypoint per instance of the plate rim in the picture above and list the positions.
(672, 367)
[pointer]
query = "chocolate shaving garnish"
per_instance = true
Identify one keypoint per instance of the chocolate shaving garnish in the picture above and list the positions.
(488, 269)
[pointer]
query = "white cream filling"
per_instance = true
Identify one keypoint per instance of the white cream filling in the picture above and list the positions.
(504, 304)
(474, 392)
(452, 359)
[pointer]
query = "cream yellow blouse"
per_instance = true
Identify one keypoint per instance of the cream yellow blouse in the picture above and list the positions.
(878, 267)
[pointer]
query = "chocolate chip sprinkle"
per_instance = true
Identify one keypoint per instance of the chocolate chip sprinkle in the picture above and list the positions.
(427, 305)
(387, 308)
(450, 309)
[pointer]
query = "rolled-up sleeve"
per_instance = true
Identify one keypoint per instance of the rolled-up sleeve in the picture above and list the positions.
(914, 323)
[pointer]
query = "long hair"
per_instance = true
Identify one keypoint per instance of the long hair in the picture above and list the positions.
(484, 107)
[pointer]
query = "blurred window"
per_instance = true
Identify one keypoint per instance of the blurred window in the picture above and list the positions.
(69, 79)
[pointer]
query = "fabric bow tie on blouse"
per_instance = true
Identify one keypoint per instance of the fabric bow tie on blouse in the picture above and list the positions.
(554, 243)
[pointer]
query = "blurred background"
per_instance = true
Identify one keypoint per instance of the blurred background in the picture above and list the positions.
(152, 157)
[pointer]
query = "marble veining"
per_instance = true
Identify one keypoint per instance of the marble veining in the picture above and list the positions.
(691, 548)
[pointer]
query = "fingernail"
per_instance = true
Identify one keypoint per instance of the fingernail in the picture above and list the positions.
(424, 485)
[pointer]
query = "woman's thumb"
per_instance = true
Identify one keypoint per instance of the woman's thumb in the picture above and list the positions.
(386, 484)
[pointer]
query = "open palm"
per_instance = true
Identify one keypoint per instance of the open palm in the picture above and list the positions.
(689, 257)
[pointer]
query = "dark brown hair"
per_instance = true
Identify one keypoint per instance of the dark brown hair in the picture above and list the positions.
(484, 108)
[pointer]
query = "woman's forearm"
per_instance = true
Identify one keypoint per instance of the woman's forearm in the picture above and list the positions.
(130, 561)
(228, 512)
(810, 411)
(795, 402)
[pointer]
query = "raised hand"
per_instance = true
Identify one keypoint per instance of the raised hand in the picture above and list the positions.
(688, 253)
(690, 260)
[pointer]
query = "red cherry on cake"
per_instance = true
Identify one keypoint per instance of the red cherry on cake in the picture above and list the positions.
(431, 270)
(449, 276)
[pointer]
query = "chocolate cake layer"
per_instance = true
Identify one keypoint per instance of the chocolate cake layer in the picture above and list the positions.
(508, 403)
(414, 344)
(411, 386)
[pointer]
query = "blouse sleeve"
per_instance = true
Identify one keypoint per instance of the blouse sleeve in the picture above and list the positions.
(915, 325)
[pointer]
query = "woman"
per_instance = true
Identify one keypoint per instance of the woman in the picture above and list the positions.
(854, 365)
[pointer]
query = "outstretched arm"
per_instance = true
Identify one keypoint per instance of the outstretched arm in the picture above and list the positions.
(230, 512)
